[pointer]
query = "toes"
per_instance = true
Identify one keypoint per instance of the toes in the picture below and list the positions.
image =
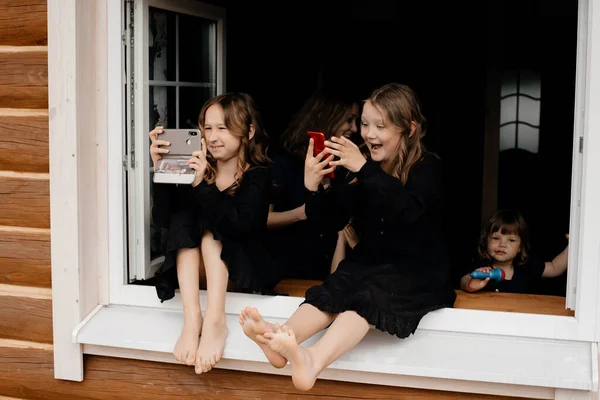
(261, 339)
(189, 359)
(268, 335)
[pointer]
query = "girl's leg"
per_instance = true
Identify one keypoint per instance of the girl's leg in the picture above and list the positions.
(306, 321)
(307, 363)
(214, 327)
(190, 269)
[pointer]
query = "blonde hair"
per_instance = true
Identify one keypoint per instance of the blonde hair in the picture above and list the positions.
(400, 106)
(240, 113)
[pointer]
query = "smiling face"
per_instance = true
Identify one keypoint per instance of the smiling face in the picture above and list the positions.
(222, 144)
(380, 135)
(348, 125)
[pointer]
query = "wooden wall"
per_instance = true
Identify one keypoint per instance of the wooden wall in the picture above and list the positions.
(26, 358)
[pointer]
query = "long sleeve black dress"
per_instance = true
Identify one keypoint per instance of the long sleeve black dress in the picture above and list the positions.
(238, 221)
(399, 270)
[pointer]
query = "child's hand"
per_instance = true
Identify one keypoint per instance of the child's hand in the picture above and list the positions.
(474, 285)
(155, 151)
(350, 236)
(198, 163)
(348, 152)
(314, 167)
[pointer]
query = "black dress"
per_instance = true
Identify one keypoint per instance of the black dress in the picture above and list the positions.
(399, 270)
(523, 280)
(300, 252)
(238, 221)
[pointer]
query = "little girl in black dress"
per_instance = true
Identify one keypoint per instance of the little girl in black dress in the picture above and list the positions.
(216, 225)
(398, 271)
(504, 244)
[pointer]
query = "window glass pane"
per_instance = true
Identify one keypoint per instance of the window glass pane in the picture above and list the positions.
(191, 100)
(528, 138)
(507, 137)
(529, 111)
(198, 49)
(162, 107)
(161, 45)
(508, 109)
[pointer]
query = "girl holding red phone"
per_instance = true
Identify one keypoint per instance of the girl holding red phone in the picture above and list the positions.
(301, 252)
(398, 271)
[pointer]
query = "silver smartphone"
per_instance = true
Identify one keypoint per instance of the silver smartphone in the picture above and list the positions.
(174, 167)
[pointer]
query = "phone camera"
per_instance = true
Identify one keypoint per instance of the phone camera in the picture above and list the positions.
(188, 142)
(193, 133)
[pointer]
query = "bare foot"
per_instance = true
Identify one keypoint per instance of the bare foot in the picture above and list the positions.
(212, 343)
(304, 369)
(254, 327)
(187, 344)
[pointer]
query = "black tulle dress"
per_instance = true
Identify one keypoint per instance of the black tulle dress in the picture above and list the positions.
(239, 221)
(399, 270)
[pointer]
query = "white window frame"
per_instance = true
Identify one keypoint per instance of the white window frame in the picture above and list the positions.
(87, 191)
(138, 166)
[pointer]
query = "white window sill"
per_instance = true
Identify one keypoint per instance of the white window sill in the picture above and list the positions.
(529, 367)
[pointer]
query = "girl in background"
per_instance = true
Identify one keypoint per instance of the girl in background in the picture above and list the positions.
(504, 244)
(301, 251)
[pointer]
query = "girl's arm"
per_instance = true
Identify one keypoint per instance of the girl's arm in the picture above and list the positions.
(236, 215)
(398, 202)
(557, 266)
(279, 219)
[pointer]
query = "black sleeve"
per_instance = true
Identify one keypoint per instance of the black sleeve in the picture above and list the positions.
(398, 202)
(330, 209)
(534, 268)
(276, 181)
(162, 202)
(236, 215)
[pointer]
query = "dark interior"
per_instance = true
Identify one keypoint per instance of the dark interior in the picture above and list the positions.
(281, 52)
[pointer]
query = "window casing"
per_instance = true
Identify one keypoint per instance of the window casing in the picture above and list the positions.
(73, 280)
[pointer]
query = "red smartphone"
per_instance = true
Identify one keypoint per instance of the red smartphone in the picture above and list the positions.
(319, 146)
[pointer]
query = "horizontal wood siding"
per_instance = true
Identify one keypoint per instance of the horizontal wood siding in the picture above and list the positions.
(24, 318)
(23, 23)
(25, 257)
(27, 373)
(25, 202)
(24, 143)
(24, 79)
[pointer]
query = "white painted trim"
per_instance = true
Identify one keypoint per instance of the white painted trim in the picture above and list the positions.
(595, 371)
(116, 268)
(565, 394)
(451, 319)
(588, 279)
(347, 376)
(65, 83)
(433, 354)
(64, 185)
(577, 158)
(84, 322)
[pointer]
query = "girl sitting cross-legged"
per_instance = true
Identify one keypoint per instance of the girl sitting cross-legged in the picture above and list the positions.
(398, 271)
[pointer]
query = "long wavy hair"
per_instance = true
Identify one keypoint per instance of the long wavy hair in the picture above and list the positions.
(240, 113)
(324, 111)
(400, 105)
(507, 222)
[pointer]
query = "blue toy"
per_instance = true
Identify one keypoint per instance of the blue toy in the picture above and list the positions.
(495, 275)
